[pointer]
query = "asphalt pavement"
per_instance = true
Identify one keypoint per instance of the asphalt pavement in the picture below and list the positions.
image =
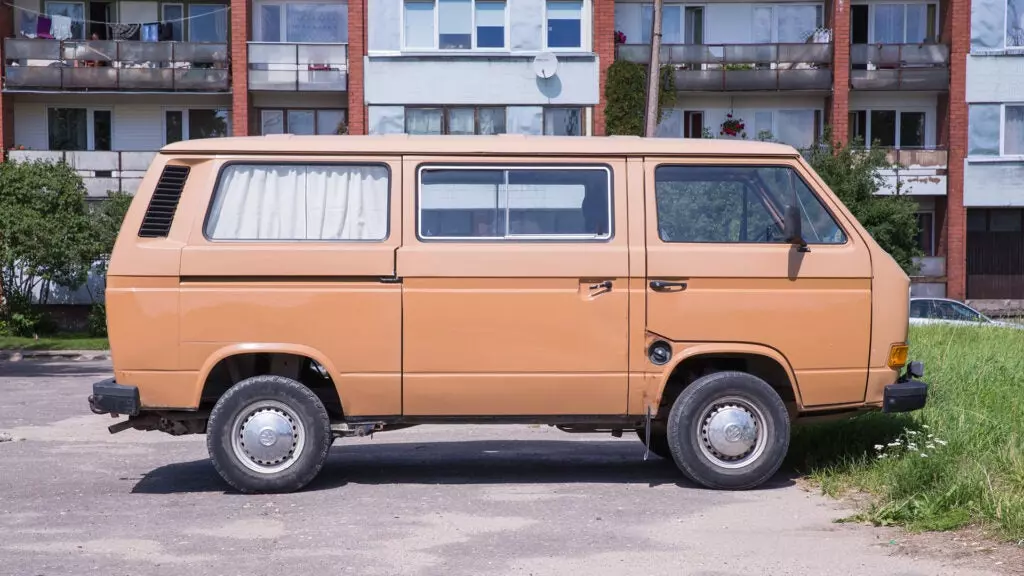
(430, 500)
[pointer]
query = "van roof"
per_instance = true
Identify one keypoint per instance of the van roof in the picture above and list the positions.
(510, 144)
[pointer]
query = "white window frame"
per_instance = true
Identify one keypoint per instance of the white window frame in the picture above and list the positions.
(184, 120)
(257, 18)
(514, 237)
(90, 125)
(85, 31)
(437, 33)
(586, 25)
(184, 14)
(682, 24)
(929, 124)
(905, 3)
(775, 16)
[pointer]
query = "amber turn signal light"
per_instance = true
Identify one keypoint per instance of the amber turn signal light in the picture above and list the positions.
(898, 356)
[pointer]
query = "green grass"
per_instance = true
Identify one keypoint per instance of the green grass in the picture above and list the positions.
(60, 342)
(975, 406)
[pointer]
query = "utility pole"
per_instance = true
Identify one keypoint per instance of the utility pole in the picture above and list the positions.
(654, 74)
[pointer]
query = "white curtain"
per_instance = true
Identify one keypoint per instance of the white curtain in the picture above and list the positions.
(889, 21)
(423, 120)
(300, 202)
(796, 23)
(1014, 131)
(796, 127)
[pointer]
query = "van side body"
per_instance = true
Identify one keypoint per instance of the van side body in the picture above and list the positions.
(598, 293)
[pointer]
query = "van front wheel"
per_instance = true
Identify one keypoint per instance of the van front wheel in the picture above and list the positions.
(729, 430)
(268, 434)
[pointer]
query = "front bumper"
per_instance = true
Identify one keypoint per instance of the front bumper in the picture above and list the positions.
(108, 397)
(908, 393)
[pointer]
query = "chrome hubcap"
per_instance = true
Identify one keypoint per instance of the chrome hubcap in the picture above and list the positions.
(268, 437)
(731, 432)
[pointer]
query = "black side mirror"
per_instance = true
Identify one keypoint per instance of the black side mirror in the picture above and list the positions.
(794, 228)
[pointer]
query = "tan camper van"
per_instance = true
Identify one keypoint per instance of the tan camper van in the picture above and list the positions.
(276, 293)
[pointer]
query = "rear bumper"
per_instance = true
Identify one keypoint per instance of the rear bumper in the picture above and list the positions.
(905, 396)
(109, 397)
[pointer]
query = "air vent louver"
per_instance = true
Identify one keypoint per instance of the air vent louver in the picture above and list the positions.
(160, 213)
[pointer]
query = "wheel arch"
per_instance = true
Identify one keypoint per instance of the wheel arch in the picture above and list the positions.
(210, 386)
(696, 360)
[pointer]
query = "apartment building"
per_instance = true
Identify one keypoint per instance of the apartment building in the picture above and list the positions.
(994, 168)
(892, 72)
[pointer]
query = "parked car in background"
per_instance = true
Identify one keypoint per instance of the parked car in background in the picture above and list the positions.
(946, 311)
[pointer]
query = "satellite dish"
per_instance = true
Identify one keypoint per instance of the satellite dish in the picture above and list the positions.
(545, 65)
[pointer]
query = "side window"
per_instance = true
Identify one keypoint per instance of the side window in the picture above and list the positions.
(919, 309)
(962, 312)
(737, 204)
(300, 202)
(515, 203)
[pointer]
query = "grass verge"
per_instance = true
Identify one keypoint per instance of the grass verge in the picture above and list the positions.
(959, 461)
(60, 342)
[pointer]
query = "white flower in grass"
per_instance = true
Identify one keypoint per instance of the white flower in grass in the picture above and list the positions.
(879, 447)
(923, 455)
(912, 432)
(942, 442)
(930, 446)
(893, 444)
(880, 456)
(925, 426)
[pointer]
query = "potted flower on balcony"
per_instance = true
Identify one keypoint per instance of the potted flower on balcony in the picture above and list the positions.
(733, 127)
(620, 37)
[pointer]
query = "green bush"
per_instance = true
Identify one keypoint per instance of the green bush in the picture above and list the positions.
(98, 321)
(625, 92)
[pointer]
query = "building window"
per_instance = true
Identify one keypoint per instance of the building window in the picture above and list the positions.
(786, 24)
(191, 124)
(460, 24)
(300, 202)
(926, 232)
(510, 203)
(564, 24)
(312, 22)
(995, 130)
(890, 128)
(679, 24)
(909, 23)
(79, 129)
(73, 10)
(208, 23)
(304, 122)
(1013, 130)
(1014, 23)
(174, 14)
(735, 204)
(455, 120)
(563, 121)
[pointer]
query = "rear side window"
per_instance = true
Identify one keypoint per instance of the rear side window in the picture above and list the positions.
(520, 203)
(919, 309)
(300, 202)
(737, 204)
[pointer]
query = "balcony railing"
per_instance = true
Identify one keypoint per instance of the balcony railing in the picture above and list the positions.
(292, 67)
(101, 171)
(899, 67)
(108, 65)
(733, 67)
(916, 171)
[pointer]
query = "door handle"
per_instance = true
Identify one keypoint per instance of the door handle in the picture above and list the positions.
(663, 286)
(606, 285)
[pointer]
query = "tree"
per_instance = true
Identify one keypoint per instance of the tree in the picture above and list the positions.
(853, 173)
(624, 92)
(49, 236)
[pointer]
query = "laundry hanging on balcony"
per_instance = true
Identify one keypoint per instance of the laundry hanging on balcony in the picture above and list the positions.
(123, 31)
(60, 27)
(35, 24)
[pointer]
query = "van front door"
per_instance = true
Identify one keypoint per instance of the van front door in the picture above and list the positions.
(514, 288)
(720, 270)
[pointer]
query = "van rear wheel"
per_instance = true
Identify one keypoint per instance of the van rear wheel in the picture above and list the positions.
(268, 434)
(729, 430)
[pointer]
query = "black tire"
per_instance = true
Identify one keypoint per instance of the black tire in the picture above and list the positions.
(269, 394)
(733, 390)
(659, 439)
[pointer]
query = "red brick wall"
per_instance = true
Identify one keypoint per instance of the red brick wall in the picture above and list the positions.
(240, 113)
(839, 103)
(356, 51)
(604, 46)
(959, 23)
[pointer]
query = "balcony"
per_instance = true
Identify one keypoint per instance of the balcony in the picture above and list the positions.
(736, 67)
(899, 67)
(276, 66)
(101, 171)
(916, 172)
(101, 65)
